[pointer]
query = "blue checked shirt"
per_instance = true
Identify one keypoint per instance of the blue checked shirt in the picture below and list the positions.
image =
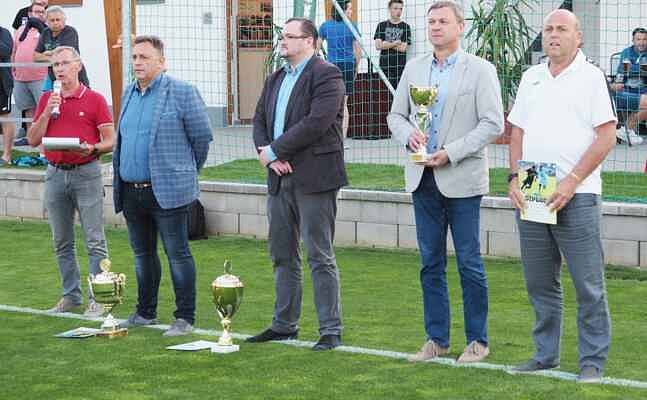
(439, 77)
(135, 131)
(291, 77)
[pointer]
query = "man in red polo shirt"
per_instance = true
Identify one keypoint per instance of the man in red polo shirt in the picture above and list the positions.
(73, 181)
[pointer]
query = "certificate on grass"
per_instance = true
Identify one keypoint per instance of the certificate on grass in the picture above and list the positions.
(78, 333)
(193, 346)
(537, 182)
(61, 143)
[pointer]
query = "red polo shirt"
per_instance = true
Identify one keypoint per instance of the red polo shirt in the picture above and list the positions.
(82, 114)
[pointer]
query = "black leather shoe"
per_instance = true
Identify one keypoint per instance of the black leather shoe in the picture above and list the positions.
(327, 342)
(268, 335)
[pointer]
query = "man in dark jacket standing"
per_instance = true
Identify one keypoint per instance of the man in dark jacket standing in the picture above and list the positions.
(297, 131)
(6, 87)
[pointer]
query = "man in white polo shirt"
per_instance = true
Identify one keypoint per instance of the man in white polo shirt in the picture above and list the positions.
(563, 114)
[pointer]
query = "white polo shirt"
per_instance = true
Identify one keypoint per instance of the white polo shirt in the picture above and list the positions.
(559, 115)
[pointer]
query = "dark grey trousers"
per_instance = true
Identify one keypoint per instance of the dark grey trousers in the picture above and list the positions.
(577, 237)
(293, 214)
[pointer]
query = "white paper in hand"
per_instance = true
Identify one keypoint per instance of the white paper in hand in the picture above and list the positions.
(61, 143)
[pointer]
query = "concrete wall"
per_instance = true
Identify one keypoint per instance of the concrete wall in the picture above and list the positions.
(365, 218)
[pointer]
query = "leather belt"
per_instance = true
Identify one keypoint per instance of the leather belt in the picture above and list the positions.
(69, 167)
(139, 185)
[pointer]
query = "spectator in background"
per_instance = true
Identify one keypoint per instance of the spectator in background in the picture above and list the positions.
(630, 87)
(28, 81)
(342, 50)
(24, 12)
(392, 38)
(6, 87)
(57, 34)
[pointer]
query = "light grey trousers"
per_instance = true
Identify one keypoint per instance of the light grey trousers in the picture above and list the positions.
(293, 214)
(577, 237)
(67, 192)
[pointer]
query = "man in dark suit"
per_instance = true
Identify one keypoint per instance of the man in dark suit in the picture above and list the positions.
(297, 131)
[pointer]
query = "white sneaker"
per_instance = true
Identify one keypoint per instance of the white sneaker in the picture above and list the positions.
(627, 135)
(633, 138)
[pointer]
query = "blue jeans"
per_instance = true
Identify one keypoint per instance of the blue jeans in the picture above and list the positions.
(145, 218)
(577, 237)
(434, 213)
(66, 193)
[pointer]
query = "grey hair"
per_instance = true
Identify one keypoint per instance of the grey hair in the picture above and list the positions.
(54, 9)
(71, 49)
(455, 7)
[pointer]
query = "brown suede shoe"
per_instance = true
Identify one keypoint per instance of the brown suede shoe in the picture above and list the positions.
(65, 304)
(474, 352)
(429, 351)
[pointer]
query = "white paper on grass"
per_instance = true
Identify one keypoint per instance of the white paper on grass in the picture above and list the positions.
(193, 346)
(61, 143)
(81, 332)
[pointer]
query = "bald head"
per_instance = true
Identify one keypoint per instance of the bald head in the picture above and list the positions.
(564, 17)
(561, 36)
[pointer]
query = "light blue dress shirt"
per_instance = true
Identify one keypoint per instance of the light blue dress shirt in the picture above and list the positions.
(291, 77)
(439, 77)
(135, 131)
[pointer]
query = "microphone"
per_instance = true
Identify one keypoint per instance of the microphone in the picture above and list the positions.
(56, 111)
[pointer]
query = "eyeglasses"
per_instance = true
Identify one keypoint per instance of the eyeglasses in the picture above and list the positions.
(290, 37)
(64, 63)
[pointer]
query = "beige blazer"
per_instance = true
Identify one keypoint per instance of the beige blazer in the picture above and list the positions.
(471, 118)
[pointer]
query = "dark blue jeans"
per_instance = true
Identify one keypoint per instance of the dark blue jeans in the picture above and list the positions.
(434, 213)
(145, 218)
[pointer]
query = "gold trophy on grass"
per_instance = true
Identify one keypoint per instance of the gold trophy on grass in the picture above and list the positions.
(422, 97)
(107, 289)
(227, 292)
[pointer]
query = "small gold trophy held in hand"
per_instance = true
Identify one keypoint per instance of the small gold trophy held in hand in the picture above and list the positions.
(107, 289)
(227, 292)
(422, 97)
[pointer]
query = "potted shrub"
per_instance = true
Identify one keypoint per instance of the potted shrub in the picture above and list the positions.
(500, 34)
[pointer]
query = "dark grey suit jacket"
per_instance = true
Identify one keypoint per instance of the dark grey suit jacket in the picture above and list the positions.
(312, 138)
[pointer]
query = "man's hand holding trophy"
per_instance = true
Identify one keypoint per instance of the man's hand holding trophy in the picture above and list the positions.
(423, 97)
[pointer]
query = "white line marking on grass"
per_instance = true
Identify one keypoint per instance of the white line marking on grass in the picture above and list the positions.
(555, 374)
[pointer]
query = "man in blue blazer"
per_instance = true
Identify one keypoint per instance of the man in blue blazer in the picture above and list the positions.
(162, 142)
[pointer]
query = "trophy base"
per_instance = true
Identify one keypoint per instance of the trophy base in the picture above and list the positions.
(418, 158)
(224, 349)
(113, 333)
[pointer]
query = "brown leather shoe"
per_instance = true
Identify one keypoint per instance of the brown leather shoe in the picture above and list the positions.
(65, 304)
(429, 351)
(474, 352)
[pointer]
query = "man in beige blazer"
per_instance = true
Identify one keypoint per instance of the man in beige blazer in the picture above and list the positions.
(447, 188)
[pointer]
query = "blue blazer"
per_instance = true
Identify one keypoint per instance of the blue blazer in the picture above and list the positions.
(179, 143)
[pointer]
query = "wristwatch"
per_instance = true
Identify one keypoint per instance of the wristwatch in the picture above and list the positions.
(511, 176)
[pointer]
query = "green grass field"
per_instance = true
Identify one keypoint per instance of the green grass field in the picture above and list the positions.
(620, 186)
(381, 310)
